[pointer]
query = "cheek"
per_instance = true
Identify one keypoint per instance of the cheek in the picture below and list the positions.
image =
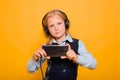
(51, 30)
(63, 28)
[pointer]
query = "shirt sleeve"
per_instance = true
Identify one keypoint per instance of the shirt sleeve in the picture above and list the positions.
(33, 66)
(85, 58)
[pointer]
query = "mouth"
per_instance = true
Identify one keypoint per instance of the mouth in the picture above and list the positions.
(57, 32)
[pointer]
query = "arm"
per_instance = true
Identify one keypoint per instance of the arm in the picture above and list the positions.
(33, 66)
(36, 61)
(85, 58)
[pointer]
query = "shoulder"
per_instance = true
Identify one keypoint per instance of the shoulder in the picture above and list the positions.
(80, 42)
(75, 39)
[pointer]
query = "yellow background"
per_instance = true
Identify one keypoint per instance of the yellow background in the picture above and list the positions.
(95, 22)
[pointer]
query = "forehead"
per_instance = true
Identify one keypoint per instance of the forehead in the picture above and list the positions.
(54, 17)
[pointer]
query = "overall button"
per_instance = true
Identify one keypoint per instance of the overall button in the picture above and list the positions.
(64, 70)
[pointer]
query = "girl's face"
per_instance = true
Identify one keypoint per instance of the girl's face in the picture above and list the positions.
(56, 27)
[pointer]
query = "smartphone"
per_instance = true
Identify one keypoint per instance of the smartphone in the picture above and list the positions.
(55, 50)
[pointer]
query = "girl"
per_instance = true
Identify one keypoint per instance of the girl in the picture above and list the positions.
(56, 25)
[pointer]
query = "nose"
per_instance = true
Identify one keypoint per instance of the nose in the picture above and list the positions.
(56, 27)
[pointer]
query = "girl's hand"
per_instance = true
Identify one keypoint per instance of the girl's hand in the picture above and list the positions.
(71, 55)
(39, 54)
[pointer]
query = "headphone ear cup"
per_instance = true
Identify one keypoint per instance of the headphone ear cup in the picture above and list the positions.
(46, 30)
(66, 24)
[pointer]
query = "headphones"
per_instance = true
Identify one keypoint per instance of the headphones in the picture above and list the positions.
(66, 20)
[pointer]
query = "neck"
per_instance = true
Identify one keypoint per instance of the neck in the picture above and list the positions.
(59, 40)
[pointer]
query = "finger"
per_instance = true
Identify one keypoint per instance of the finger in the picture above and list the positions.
(43, 44)
(69, 47)
(44, 50)
(73, 56)
(63, 57)
(36, 57)
(44, 53)
(70, 56)
(48, 57)
(41, 53)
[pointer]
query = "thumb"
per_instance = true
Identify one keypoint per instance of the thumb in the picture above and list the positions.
(69, 47)
(48, 57)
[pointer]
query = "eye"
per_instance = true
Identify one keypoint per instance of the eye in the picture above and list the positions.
(59, 23)
(50, 26)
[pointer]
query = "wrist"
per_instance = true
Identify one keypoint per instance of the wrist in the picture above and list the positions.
(75, 59)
